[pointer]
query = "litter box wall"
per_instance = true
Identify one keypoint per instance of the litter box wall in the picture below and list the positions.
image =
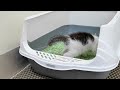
(44, 24)
(108, 46)
(91, 18)
(110, 36)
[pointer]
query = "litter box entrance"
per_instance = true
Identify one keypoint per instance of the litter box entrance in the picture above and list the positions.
(41, 44)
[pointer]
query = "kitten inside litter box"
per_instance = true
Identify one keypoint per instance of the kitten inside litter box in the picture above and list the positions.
(58, 49)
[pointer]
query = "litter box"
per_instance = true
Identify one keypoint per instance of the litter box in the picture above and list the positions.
(39, 29)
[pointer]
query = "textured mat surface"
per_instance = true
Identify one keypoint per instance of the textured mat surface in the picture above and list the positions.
(115, 74)
(28, 73)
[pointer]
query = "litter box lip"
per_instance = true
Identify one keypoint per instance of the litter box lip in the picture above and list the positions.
(26, 50)
(55, 61)
(68, 66)
(67, 63)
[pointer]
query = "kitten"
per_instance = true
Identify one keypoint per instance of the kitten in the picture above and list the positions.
(76, 43)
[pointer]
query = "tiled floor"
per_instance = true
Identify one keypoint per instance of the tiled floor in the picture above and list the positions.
(28, 73)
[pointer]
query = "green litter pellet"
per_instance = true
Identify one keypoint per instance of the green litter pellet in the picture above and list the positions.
(58, 49)
(87, 55)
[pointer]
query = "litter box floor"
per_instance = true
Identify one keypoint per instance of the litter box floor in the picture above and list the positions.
(28, 73)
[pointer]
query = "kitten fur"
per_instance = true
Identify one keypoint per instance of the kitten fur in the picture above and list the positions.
(76, 43)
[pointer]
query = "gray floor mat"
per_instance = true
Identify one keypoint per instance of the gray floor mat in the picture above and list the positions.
(115, 74)
(28, 73)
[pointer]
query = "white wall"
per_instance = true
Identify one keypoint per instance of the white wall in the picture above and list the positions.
(11, 23)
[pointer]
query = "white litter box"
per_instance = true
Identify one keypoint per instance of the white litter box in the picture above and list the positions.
(38, 30)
